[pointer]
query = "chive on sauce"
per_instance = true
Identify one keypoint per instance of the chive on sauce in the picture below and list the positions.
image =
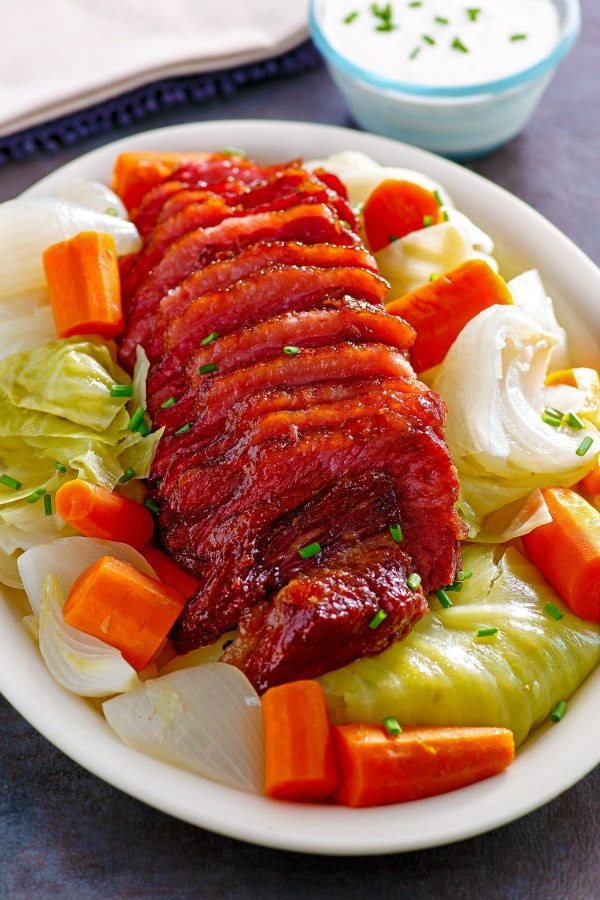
(442, 42)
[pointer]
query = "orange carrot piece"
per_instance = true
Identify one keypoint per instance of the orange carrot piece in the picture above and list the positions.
(440, 309)
(126, 609)
(567, 551)
(84, 285)
(96, 512)
(396, 208)
(136, 172)
(591, 483)
(377, 768)
(169, 572)
(299, 758)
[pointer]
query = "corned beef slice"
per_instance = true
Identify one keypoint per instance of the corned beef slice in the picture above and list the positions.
(331, 445)
(344, 320)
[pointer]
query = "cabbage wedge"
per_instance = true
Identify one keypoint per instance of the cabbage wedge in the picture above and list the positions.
(443, 674)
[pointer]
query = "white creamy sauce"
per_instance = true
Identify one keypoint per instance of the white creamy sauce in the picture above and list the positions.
(442, 42)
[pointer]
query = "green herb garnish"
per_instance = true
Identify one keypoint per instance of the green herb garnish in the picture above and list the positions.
(554, 611)
(413, 581)
(518, 37)
(59, 467)
(309, 550)
(209, 367)
(487, 632)
(347, 20)
(121, 390)
(168, 403)
(427, 221)
(584, 446)
(127, 475)
(391, 725)
(558, 711)
(429, 40)
(136, 419)
(473, 13)
(292, 351)
(441, 20)
(11, 482)
(184, 428)
(443, 598)
(573, 421)
(457, 44)
(48, 504)
(378, 618)
(209, 338)
(152, 505)
(396, 533)
(35, 496)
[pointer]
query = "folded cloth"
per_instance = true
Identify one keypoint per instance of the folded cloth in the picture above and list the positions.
(60, 56)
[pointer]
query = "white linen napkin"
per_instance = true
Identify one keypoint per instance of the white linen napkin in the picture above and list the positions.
(58, 56)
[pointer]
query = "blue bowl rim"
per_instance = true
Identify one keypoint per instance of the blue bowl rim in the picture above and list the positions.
(569, 34)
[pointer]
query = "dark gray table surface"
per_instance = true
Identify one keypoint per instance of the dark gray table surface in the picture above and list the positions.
(64, 833)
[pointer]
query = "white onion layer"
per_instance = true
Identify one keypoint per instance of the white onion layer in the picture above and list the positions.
(28, 225)
(93, 195)
(80, 663)
(492, 380)
(206, 719)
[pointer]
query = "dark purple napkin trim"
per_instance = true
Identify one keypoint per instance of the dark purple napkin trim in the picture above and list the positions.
(148, 101)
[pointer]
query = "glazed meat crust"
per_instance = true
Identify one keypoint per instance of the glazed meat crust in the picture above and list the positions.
(295, 430)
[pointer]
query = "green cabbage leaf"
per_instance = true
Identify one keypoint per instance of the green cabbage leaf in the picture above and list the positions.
(443, 674)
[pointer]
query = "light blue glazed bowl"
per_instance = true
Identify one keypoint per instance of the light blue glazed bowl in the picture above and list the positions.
(458, 122)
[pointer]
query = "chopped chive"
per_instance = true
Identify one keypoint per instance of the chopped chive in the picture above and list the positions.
(443, 597)
(292, 351)
(127, 475)
(554, 611)
(445, 216)
(473, 13)
(209, 367)
(552, 411)
(456, 586)
(434, 276)
(209, 338)
(396, 533)
(309, 550)
(358, 208)
(391, 725)
(415, 53)
(11, 482)
(584, 446)
(487, 632)
(413, 581)
(378, 618)
(136, 419)
(167, 403)
(463, 574)
(111, 211)
(184, 428)
(573, 421)
(48, 504)
(59, 467)
(457, 44)
(558, 711)
(35, 496)
(550, 420)
(429, 40)
(347, 20)
(427, 221)
(385, 26)
(144, 429)
(438, 198)
(416, 4)
(152, 505)
(121, 390)
(383, 12)
(233, 151)
(441, 20)
(518, 37)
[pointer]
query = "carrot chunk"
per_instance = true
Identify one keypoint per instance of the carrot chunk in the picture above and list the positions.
(96, 512)
(84, 284)
(396, 208)
(299, 758)
(591, 483)
(567, 551)
(377, 768)
(136, 172)
(115, 603)
(440, 309)
(170, 573)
